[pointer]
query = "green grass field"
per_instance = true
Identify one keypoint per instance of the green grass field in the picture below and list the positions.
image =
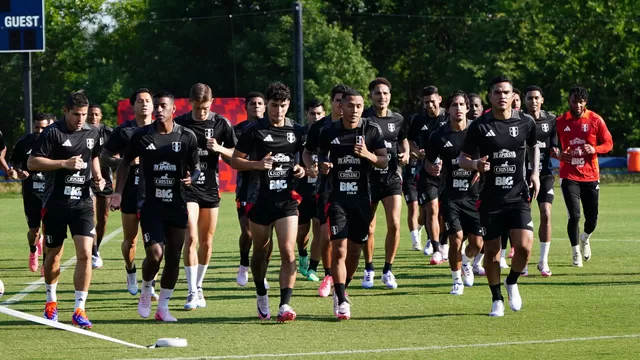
(570, 315)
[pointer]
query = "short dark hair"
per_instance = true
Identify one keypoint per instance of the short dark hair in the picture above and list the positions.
(531, 88)
(134, 96)
(455, 94)
(164, 94)
(338, 89)
(429, 90)
(472, 96)
(498, 80)
(517, 91)
(379, 81)
(95, 106)
(312, 104)
(278, 91)
(579, 92)
(76, 99)
(252, 95)
(200, 92)
(44, 117)
(350, 92)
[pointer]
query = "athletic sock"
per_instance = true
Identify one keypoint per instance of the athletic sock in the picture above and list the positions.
(51, 292)
(512, 278)
(444, 239)
(146, 287)
(436, 245)
(368, 266)
(285, 296)
(327, 271)
(496, 294)
(544, 251)
(132, 271)
(386, 268)
(456, 275)
(478, 260)
(191, 273)
(202, 270)
(303, 252)
(244, 258)
(81, 299)
(415, 236)
(33, 248)
(94, 250)
(260, 289)
(503, 253)
(165, 296)
(576, 249)
(313, 265)
(346, 284)
(465, 259)
(340, 293)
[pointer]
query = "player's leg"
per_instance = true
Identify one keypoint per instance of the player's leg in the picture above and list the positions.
(413, 219)
(82, 227)
(101, 207)
(504, 244)
(519, 221)
(471, 226)
(32, 211)
(129, 243)
(191, 255)
(544, 233)
(393, 211)
(55, 232)
(316, 250)
(245, 242)
(433, 225)
(176, 233)
(261, 236)
(302, 239)
(207, 224)
(326, 248)
(590, 194)
(453, 229)
(286, 234)
(571, 194)
(491, 220)
(368, 248)
(339, 232)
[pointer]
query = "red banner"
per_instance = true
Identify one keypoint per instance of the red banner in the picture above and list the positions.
(231, 108)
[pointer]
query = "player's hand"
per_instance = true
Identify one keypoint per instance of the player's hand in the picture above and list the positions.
(73, 163)
(100, 182)
(483, 165)
(362, 151)
(312, 172)
(187, 180)
(298, 171)
(555, 152)
(534, 183)
(213, 145)
(266, 163)
(12, 174)
(475, 179)
(135, 162)
(589, 149)
(325, 167)
(21, 174)
(565, 156)
(419, 155)
(116, 199)
(431, 169)
(403, 158)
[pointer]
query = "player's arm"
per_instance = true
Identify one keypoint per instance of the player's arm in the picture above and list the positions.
(246, 145)
(17, 159)
(39, 159)
(432, 154)
(132, 152)
(470, 146)
(310, 146)
(109, 155)
(193, 162)
(534, 159)
(229, 141)
(96, 171)
(603, 137)
(379, 155)
(553, 139)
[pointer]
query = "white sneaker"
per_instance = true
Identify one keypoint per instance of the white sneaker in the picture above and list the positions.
(202, 303)
(192, 301)
(497, 309)
(444, 250)
(457, 289)
(154, 295)
(243, 275)
(479, 270)
(96, 261)
(341, 311)
(585, 247)
(544, 269)
(132, 284)
(389, 280)
(436, 259)
(525, 271)
(263, 307)
(503, 263)
(165, 315)
(367, 281)
(515, 301)
(144, 306)
(266, 284)
(467, 275)
(428, 248)
(285, 314)
(417, 246)
(577, 260)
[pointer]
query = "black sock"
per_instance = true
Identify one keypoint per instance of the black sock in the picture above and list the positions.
(94, 250)
(436, 245)
(260, 289)
(444, 239)
(285, 296)
(512, 278)
(303, 252)
(346, 284)
(387, 267)
(496, 294)
(339, 289)
(327, 271)
(33, 248)
(368, 266)
(244, 258)
(313, 265)
(132, 271)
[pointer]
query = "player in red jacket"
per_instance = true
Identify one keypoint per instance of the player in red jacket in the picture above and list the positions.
(582, 135)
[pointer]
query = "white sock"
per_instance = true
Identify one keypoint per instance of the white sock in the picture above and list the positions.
(503, 254)
(191, 272)
(456, 275)
(544, 251)
(202, 270)
(165, 296)
(465, 259)
(576, 249)
(415, 235)
(478, 260)
(147, 287)
(81, 299)
(133, 278)
(51, 292)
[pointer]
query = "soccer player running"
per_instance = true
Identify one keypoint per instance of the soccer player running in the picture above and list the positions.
(246, 187)
(314, 111)
(169, 161)
(548, 145)
(216, 138)
(33, 185)
(67, 151)
(276, 143)
(100, 197)
(460, 193)
(142, 103)
(349, 149)
(386, 183)
(499, 137)
(583, 135)
(322, 248)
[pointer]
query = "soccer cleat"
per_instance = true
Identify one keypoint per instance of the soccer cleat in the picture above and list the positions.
(80, 319)
(96, 262)
(266, 284)
(263, 307)
(325, 286)
(202, 302)
(511, 252)
(285, 314)
(33, 261)
(164, 315)
(144, 305)
(503, 264)
(51, 311)
(479, 270)
(428, 248)
(445, 252)
(243, 275)
(585, 247)
(457, 289)
(341, 311)
(303, 265)
(192, 301)
(577, 260)
(525, 271)
(132, 284)
(497, 309)
(467, 275)
(544, 269)
(416, 246)
(389, 280)
(515, 301)
(367, 281)
(312, 276)
(436, 259)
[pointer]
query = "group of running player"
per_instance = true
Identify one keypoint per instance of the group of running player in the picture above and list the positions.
(466, 173)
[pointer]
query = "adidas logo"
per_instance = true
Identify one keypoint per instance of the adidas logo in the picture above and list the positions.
(550, 192)
(567, 129)
(268, 138)
(448, 144)
(151, 147)
(67, 143)
(424, 128)
(490, 134)
(530, 223)
(335, 141)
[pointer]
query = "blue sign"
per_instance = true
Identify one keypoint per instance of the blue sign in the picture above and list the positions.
(21, 26)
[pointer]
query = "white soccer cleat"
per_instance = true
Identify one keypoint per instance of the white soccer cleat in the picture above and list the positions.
(544, 269)
(457, 289)
(525, 271)
(467, 275)
(497, 309)
(479, 270)
(192, 301)
(164, 315)
(132, 284)
(515, 301)
(202, 302)
(577, 260)
(503, 263)
(243, 275)
(262, 303)
(428, 248)
(416, 246)
(436, 259)
(144, 306)
(367, 281)
(585, 247)
(96, 261)
(389, 281)
(285, 314)
(341, 311)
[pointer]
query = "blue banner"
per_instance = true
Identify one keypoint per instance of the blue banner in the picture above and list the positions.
(21, 26)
